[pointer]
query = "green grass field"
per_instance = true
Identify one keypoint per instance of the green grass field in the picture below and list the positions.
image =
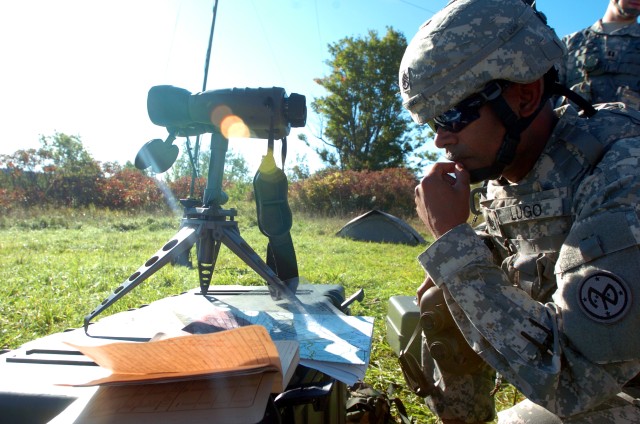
(57, 265)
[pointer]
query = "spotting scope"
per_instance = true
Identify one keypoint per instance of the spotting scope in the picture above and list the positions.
(261, 110)
(259, 113)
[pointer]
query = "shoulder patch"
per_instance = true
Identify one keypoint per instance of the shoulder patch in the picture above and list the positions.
(604, 297)
(405, 80)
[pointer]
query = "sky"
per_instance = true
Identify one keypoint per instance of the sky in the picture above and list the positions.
(84, 67)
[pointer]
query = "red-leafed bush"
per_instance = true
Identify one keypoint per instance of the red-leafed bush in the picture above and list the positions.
(333, 192)
(9, 198)
(131, 189)
(181, 188)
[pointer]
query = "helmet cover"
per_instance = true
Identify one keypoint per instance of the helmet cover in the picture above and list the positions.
(470, 43)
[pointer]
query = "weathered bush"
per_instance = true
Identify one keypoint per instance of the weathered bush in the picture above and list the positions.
(333, 192)
(181, 187)
(74, 190)
(130, 189)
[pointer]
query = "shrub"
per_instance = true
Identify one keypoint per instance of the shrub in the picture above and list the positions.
(74, 190)
(333, 192)
(181, 187)
(130, 189)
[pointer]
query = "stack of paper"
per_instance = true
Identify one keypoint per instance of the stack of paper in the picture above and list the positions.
(227, 375)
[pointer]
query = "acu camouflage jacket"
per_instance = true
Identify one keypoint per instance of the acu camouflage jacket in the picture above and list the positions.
(604, 67)
(554, 305)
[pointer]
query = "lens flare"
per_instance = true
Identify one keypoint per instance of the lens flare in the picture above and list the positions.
(231, 126)
(218, 113)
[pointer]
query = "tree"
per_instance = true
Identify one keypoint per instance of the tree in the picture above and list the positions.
(235, 167)
(300, 170)
(21, 182)
(182, 166)
(71, 172)
(366, 125)
(236, 180)
(67, 155)
(61, 171)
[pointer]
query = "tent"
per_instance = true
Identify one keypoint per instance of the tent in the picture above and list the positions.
(380, 227)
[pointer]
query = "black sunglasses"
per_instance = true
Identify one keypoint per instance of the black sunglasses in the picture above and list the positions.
(457, 118)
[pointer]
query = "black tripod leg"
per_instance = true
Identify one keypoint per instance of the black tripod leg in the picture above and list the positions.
(233, 240)
(183, 240)
(208, 250)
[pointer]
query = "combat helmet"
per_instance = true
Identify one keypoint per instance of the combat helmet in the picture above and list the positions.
(469, 44)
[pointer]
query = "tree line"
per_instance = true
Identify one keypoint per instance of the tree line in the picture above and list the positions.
(62, 173)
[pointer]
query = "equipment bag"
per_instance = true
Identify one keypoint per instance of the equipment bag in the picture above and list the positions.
(367, 405)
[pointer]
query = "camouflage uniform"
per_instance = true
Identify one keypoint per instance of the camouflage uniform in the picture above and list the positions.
(604, 67)
(547, 293)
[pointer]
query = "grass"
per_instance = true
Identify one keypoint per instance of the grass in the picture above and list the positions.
(57, 265)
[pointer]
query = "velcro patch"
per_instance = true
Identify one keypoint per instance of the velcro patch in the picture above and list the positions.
(604, 297)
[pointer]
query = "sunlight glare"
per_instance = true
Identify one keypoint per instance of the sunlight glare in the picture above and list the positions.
(231, 126)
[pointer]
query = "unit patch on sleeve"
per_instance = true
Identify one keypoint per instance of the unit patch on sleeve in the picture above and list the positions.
(604, 297)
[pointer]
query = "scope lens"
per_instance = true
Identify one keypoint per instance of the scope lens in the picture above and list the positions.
(296, 110)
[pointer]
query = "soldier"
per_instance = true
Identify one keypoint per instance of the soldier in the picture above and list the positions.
(545, 292)
(603, 61)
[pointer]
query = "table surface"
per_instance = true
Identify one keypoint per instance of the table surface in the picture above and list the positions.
(32, 373)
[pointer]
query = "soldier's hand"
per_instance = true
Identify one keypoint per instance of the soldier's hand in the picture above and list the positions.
(426, 285)
(442, 200)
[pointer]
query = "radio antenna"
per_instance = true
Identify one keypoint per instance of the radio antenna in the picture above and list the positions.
(196, 151)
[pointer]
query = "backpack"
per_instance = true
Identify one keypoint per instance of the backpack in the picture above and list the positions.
(367, 405)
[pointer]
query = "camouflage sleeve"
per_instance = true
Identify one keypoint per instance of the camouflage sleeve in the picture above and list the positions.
(571, 59)
(562, 65)
(572, 354)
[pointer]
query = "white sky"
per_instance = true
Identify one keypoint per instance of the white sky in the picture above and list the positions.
(84, 67)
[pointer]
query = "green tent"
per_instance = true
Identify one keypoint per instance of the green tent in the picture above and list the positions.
(381, 227)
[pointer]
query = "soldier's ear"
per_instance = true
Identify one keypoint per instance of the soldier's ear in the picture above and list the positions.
(529, 97)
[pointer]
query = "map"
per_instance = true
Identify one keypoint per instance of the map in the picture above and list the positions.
(336, 344)
(322, 337)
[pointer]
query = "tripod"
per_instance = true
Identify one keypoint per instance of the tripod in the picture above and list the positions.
(209, 226)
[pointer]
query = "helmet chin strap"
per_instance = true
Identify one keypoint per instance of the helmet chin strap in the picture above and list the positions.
(507, 152)
(515, 125)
